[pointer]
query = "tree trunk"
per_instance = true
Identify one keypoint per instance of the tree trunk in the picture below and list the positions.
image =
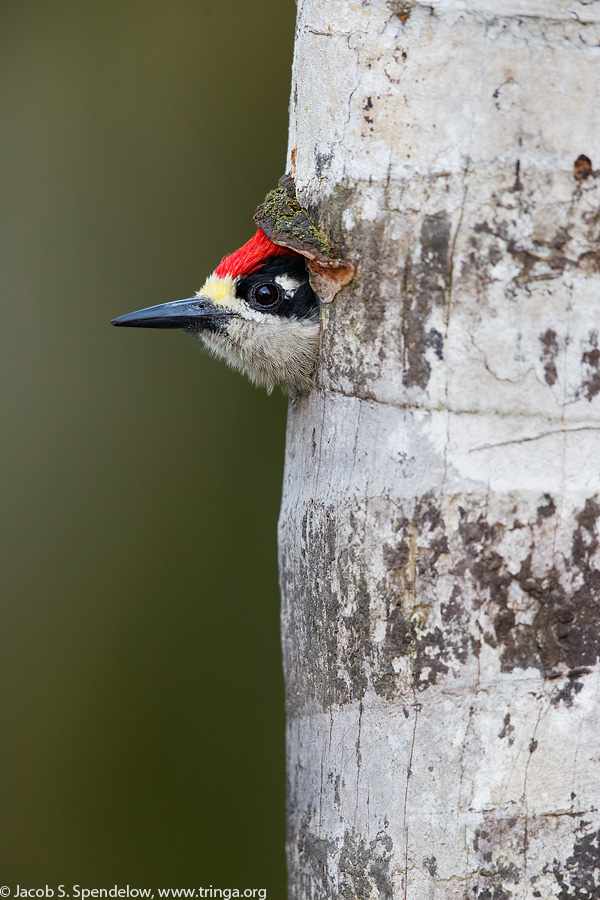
(439, 536)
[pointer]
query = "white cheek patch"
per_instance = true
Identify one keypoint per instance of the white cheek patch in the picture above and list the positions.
(287, 284)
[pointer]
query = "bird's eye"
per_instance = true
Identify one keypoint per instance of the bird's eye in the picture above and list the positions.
(266, 294)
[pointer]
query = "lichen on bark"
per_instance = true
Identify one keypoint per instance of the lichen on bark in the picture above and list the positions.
(288, 224)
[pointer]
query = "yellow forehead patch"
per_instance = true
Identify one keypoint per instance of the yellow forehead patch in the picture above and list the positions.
(220, 290)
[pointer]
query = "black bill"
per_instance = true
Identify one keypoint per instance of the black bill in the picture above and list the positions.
(195, 312)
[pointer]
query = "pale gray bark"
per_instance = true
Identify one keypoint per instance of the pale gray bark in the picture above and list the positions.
(439, 537)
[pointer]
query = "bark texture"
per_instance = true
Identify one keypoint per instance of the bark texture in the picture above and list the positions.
(439, 533)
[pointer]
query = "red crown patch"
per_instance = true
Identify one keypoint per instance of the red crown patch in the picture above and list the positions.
(250, 256)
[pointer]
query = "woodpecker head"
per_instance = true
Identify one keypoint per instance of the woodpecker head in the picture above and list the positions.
(257, 311)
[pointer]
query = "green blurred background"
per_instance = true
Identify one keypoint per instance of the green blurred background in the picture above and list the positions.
(141, 706)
